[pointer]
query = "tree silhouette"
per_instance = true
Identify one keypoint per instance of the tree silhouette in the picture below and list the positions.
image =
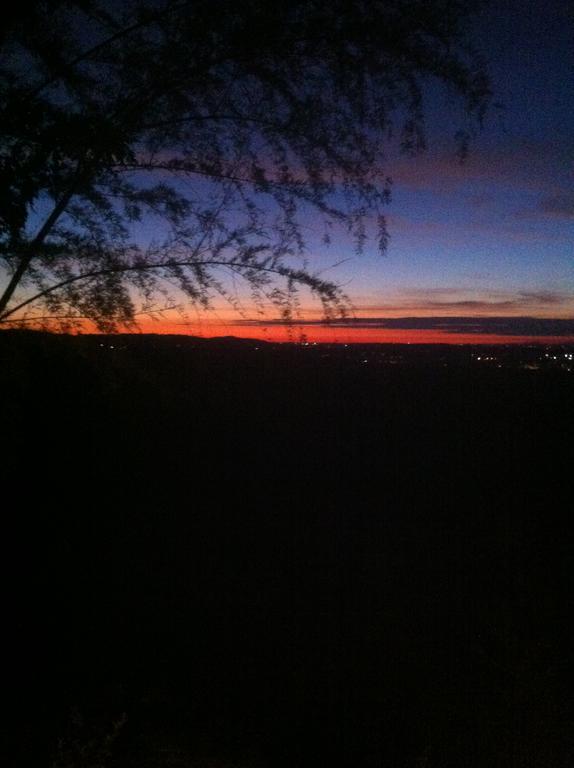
(154, 149)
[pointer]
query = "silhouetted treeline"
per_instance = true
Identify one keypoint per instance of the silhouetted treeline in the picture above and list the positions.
(277, 559)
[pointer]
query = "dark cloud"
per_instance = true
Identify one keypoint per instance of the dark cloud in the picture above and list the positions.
(501, 326)
(528, 165)
(446, 299)
(558, 206)
(544, 297)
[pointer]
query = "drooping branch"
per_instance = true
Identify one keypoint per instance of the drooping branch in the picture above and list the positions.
(299, 276)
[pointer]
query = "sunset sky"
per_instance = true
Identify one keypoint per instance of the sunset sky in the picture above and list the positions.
(490, 237)
(470, 241)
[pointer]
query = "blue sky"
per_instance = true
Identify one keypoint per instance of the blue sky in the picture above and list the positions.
(501, 224)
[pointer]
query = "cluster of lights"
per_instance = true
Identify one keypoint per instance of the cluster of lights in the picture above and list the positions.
(567, 355)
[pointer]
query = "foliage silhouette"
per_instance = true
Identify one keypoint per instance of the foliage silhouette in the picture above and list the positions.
(216, 126)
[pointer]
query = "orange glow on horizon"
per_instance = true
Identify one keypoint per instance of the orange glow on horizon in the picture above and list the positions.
(338, 335)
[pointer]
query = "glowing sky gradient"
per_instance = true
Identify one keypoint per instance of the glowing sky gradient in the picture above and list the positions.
(491, 237)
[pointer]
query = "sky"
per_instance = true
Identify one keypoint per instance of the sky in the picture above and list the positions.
(470, 242)
(489, 237)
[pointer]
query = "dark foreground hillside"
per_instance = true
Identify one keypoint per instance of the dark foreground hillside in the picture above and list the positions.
(240, 559)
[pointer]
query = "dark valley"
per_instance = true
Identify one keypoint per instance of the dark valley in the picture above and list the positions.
(238, 553)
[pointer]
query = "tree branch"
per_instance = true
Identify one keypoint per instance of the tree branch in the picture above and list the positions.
(236, 265)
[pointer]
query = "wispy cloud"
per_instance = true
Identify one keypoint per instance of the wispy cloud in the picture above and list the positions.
(545, 310)
(497, 326)
(527, 165)
(458, 233)
(453, 300)
(558, 206)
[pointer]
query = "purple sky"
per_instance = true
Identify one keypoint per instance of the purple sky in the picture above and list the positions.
(493, 235)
